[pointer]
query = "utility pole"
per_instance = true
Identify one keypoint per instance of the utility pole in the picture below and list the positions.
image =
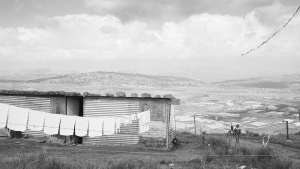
(195, 129)
(287, 130)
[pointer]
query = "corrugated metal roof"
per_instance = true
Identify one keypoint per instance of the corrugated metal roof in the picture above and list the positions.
(167, 97)
(38, 93)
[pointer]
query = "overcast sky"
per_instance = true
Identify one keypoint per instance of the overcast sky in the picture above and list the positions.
(201, 39)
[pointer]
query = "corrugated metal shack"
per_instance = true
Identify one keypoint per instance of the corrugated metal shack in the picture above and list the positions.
(95, 105)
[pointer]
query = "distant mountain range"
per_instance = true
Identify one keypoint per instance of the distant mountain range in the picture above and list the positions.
(274, 82)
(112, 79)
(127, 79)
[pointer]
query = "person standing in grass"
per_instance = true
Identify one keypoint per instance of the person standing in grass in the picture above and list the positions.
(231, 133)
(237, 133)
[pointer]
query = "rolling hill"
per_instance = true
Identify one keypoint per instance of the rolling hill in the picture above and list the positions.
(112, 79)
(273, 82)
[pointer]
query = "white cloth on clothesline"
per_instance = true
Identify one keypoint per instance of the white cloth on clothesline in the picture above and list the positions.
(3, 115)
(36, 120)
(67, 125)
(172, 118)
(51, 125)
(133, 117)
(144, 121)
(122, 120)
(17, 118)
(95, 127)
(81, 126)
(109, 124)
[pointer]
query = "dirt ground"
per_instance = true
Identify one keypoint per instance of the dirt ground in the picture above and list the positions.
(101, 155)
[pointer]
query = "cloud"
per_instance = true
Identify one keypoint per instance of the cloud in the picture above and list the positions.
(206, 46)
(174, 10)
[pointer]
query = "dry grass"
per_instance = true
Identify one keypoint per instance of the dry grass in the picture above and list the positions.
(218, 155)
(42, 161)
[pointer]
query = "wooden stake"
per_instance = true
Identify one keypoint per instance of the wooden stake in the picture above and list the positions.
(195, 129)
(287, 130)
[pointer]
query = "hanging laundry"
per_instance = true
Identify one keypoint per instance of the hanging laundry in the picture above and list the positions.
(172, 118)
(95, 127)
(51, 125)
(17, 118)
(133, 116)
(3, 115)
(144, 121)
(36, 120)
(121, 121)
(108, 126)
(81, 126)
(67, 124)
(117, 125)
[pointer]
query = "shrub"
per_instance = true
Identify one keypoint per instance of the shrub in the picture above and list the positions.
(275, 164)
(251, 134)
(264, 154)
(157, 96)
(245, 151)
(132, 164)
(121, 94)
(219, 145)
(134, 95)
(297, 133)
(109, 94)
(265, 159)
(41, 161)
(169, 96)
(145, 95)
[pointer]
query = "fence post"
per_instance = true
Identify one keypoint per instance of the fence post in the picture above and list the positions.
(195, 129)
(167, 119)
(287, 129)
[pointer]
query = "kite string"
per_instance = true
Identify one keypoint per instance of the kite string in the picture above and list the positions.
(274, 34)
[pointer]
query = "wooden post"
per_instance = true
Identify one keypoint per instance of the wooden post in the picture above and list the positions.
(195, 129)
(287, 130)
(175, 124)
(167, 118)
(66, 109)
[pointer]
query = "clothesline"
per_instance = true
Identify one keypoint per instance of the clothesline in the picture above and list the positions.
(19, 119)
(47, 126)
(50, 127)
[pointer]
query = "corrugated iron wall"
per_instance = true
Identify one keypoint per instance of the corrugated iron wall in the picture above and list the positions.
(114, 107)
(94, 107)
(157, 107)
(172, 126)
(30, 102)
(99, 107)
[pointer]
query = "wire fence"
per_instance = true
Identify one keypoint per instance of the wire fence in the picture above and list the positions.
(198, 124)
